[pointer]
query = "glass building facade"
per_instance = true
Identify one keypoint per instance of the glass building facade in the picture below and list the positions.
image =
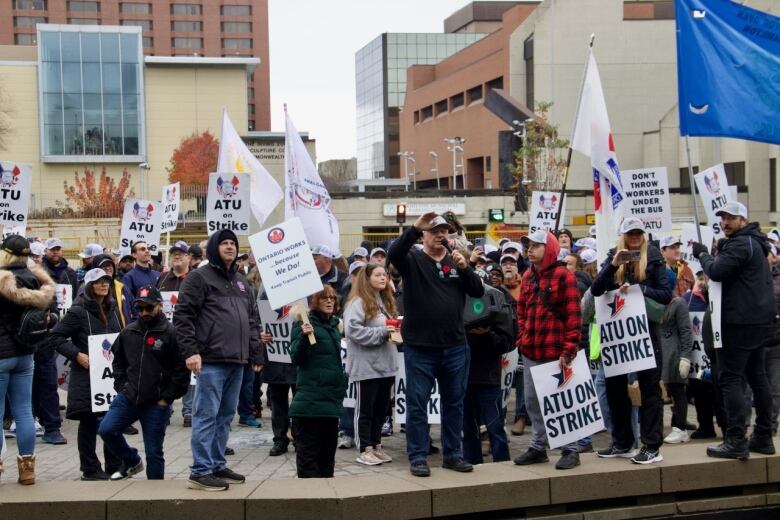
(380, 87)
(91, 93)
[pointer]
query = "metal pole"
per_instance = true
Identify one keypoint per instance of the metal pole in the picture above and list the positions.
(436, 169)
(454, 167)
(463, 166)
(693, 192)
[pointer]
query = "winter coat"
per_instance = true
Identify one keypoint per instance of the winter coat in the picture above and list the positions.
(170, 282)
(486, 352)
(676, 340)
(62, 274)
(70, 337)
(775, 342)
(656, 283)
(369, 353)
(20, 289)
(584, 281)
(321, 382)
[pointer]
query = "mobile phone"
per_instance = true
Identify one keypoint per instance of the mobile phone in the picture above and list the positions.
(479, 242)
(630, 256)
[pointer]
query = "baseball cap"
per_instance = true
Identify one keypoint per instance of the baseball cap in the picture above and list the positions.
(91, 250)
(592, 231)
(243, 256)
(180, 245)
(734, 208)
(360, 251)
(588, 242)
(354, 266)
(322, 251)
(439, 221)
(511, 245)
(53, 242)
(93, 275)
(588, 256)
(670, 241)
(37, 248)
(16, 245)
(490, 248)
(631, 224)
(774, 235)
(508, 257)
(539, 236)
(378, 250)
(196, 252)
(503, 241)
(149, 294)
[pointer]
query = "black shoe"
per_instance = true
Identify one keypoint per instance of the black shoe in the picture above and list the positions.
(730, 449)
(690, 426)
(207, 483)
(459, 465)
(433, 450)
(703, 434)
(229, 451)
(532, 456)
(95, 475)
(130, 430)
(126, 472)
(569, 459)
(647, 456)
(230, 476)
(277, 449)
(761, 444)
(614, 452)
(419, 468)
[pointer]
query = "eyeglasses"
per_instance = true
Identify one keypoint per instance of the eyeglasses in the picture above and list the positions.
(327, 298)
(102, 281)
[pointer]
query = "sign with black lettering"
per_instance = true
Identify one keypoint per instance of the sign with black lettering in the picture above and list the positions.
(647, 191)
(350, 394)
(101, 373)
(434, 402)
(170, 299)
(140, 223)
(624, 331)
(569, 401)
(715, 292)
(15, 183)
(699, 359)
(227, 203)
(715, 193)
(544, 210)
(508, 374)
(170, 201)
(64, 294)
(278, 323)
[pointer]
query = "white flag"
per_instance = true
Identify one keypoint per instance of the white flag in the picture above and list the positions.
(306, 196)
(235, 157)
(592, 136)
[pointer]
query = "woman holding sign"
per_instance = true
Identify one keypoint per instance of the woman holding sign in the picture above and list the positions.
(634, 261)
(94, 312)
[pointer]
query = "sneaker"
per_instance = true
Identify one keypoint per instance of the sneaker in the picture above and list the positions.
(532, 456)
(614, 452)
(250, 423)
(387, 427)
(10, 433)
(230, 476)
(702, 434)
(277, 449)
(130, 430)
(38, 429)
(346, 442)
(95, 475)
(381, 454)
(419, 468)
(459, 465)
(54, 437)
(730, 449)
(128, 471)
(368, 458)
(647, 456)
(187, 421)
(677, 436)
(569, 459)
(207, 483)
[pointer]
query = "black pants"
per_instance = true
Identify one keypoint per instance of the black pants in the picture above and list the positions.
(717, 394)
(680, 404)
(703, 393)
(370, 409)
(87, 444)
(315, 445)
(279, 401)
(650, 413)
(46, 400)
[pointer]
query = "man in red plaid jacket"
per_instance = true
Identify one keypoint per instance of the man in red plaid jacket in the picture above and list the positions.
(549, 320)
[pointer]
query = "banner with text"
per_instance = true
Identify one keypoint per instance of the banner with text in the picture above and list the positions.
(15, 185)
(434, 402)
(699, 359)
(171, 201)
(101, 375)
(278, 323)
(508, 374)
(689, 237)
(647, 191)
(227, 203)
(625, 332)
(170, 299)
(350, 395)
(64, 294)
(63, 372)
(544, 210)
(715, 193)
(140, 223)
(715, 293)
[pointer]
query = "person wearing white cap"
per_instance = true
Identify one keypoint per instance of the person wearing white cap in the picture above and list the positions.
(436, 284)
(583, 244)
(37, 250)
(57, 266)
(683, 275)
(87, 255)
(747, 316)
(323, 259)
(634, 261)
(378, 256)
(360, 254)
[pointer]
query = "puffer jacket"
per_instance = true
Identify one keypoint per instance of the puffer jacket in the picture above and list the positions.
(656, 282)
(676, 340)
(20, 289)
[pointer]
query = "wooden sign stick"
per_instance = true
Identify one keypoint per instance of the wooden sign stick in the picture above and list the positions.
(303, 313)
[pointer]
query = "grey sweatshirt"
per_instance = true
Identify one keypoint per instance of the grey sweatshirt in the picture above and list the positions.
(369, 354)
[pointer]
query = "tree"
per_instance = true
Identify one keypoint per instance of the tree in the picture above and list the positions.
(5, 118)
(88, 198)
(194, 159)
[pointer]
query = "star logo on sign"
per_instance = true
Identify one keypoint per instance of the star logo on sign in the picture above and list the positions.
(617, 305)
(564, 376)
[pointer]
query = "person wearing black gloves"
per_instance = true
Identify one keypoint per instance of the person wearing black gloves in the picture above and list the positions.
(747, 317)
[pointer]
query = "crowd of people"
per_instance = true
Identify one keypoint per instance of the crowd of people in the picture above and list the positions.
(408, 296)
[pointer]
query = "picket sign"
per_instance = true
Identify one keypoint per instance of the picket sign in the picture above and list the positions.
(508, 374)
(227, 203)
(140, 223)
(64, 295)
(716, 303)
(689, 237)
(715, 193)
(63, 372)
(170, 202)
(544, 210)
(699, 359)
(278, 323)
(15, 189)
(101, 375)
(434, 402)
(647, 191)
(170, 299)
(350, 394)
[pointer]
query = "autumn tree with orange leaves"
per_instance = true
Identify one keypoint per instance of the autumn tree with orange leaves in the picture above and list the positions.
(91, 197)
(194, 159)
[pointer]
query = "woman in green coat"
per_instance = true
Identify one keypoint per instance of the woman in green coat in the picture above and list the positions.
(321, 383)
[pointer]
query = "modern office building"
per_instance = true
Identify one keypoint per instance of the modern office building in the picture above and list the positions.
(211, 28)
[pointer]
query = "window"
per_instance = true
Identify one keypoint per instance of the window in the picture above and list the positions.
(251, 108)
(416, 117)
(186, 9)
(685, 181)
(528, 56)
(236, 10)
(456, 101)
(145, 25)
(148, 41)
(126, 7)
(30, 5)
(236, 43)
(735, 173)
(28, 21)
(474, 94)
(237, 27)
(494, 83)
(24, 39)
(187, 43)
(427, 112)
(250, 92)
(84, 7)
(83, 21)
(181, 26)
(440, 107)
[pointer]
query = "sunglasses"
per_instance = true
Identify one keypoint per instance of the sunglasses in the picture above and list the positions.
(328, 298)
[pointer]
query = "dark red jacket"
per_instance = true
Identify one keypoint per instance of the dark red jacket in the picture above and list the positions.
(548, 310)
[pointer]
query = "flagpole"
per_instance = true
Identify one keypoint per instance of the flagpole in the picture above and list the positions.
(693, 192)
(574, 127)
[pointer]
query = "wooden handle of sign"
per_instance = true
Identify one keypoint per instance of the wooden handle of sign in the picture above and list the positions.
(304, 315)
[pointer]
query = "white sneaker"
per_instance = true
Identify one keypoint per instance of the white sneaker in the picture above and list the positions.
(38, 429)
(369, 458)
(11, 432)
(346, 442)
(677, 436)
(381, 454)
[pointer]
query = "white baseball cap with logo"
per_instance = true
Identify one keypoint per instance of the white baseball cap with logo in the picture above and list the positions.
(37, 248)
(734, 208)
(670, 241)
(631, 224)
(53, 243)
(94, 275)
(588, 256)
(91, 250)
(539, 236)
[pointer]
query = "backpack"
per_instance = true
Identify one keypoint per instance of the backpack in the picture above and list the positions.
(34, 325)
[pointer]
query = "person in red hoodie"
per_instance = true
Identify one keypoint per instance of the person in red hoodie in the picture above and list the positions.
(549, 321)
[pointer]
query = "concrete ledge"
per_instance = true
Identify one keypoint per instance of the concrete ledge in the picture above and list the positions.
(631, 513)
(567, 516)
(687, 467)
(67, 500)
(773, 468)
(717, 504)
(773, 499)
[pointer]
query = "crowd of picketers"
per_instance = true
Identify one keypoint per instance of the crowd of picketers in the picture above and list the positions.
(407, 295)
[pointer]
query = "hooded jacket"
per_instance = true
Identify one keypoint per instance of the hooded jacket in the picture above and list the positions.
(147, 366)
(122, 295)
(20, 289)
(548, 310)
(216, 315)
(61, 274)
(748, 295)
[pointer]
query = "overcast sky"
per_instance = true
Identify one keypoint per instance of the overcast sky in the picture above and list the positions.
(313, 45)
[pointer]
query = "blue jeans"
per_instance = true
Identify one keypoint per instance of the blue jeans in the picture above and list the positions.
(449, 366)
(16, 379)
(214, 405)
(154, 421)
(483, 406)
(246, 396)
(347, 422)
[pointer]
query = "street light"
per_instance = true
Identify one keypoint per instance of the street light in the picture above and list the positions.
(407, 156)
(522, 135)
(436, 167)
(455, 147)
(144, 167)
(414, 171)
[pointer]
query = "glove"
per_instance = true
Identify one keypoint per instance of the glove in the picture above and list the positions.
(684, 367)
(698, 250)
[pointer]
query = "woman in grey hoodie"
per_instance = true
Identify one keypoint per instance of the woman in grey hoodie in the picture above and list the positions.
(371, 357)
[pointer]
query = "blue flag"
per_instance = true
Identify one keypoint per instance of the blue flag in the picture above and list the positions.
(728, 70)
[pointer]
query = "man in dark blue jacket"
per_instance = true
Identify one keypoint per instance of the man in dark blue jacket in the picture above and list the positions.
(142, 274)
(217, 330)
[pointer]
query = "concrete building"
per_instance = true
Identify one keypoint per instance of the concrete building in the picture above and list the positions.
(213, 28)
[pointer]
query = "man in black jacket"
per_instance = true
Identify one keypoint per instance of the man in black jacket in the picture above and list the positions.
(217, 330)
(149, 375)
(747, 316)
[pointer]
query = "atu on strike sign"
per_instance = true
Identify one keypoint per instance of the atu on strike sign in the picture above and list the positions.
(699, 359)
(715, 193)
(227, 203)
(544, 210)
(625, 332)
(15, 182)
(278, 323)
(434, 402)
(101, 375)
(350, 394)
(647, 191)
(140, 223)
(508, 374)
(688, 238)
(171, 199)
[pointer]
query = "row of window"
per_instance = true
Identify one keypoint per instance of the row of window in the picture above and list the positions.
(133, 7)
(177, 26)
(197, 43)
(456, 101)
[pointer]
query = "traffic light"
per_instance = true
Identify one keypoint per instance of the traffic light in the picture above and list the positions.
(400, 213)
(496, 215)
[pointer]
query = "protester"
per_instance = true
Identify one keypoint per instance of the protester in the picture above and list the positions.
(670, 249)
(93, 312)
(57, 267)
(280, 378)
(142, 274)
(196, 256)
(565, 239)
(747, 316)
(323, 259)
(21, 289)
(320, 387)
(87, 255)
(589, 264)
(180, 266)
(121, 294)
(495, 275)
(677, 349)
(125, 264)
(371, 358)
(149, 375)
(37, 251)
(549, 321)
(360, 254)
(436, 284)
(457, 234)
(649, 272)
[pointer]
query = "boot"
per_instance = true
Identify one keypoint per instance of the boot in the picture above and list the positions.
(26, 465)
(761, 444)
(730, 449)
(519, 427)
